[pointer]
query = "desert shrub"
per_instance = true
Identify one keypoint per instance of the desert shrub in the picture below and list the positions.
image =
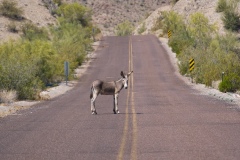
(231, 17)
(8, 8)
(58, 2)
(225, 85)
(180, 37)
(213, 53)
(230, 83)
(200, 30)
(32, 32)
(12, 27)
(71, 42)
(74, 13)
(123, 29)
(17, 73)
(211, 62)
(29, 65)
(142, 28)
(158, 24)
(231, 20)
(221, 6)
(171, 21)
(174, 1)
(8, 96)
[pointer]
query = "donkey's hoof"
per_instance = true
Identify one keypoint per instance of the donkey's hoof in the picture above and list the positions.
(94, 112)
(116, 112)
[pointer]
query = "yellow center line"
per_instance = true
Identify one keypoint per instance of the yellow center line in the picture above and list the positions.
(134, 118)
(125, 129)
(130, 97)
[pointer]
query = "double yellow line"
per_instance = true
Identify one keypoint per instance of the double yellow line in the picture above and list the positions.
(130, 98)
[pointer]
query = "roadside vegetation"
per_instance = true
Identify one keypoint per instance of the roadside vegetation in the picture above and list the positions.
(123, 29)
(30, 64)
(214, 54)
(9, 8)
(230, 14)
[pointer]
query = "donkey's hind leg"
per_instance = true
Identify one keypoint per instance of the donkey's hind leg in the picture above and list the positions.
(93, 99)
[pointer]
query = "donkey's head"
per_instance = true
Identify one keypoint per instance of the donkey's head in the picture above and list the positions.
(125, 79)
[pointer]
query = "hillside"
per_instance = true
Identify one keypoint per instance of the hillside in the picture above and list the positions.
(106, 13)
(208, 8)
(186, 8)
(109, 13)
(34, 11)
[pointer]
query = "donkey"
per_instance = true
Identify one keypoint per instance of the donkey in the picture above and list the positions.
(108, 88)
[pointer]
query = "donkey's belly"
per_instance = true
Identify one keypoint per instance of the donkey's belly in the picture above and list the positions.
(108, 91)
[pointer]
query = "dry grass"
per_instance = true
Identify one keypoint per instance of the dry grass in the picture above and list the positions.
(8, 96)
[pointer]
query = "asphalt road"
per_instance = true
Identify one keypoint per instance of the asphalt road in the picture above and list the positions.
(161, 118)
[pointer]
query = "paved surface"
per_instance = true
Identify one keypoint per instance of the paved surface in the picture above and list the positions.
(161, 117)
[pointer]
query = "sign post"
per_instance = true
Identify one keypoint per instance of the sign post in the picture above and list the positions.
(93, 31)
(66, 71)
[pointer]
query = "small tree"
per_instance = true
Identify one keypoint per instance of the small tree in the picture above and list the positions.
(75, 13)
(200, 30)
(32, 32)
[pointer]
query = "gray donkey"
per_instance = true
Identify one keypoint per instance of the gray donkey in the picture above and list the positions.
(108, 88)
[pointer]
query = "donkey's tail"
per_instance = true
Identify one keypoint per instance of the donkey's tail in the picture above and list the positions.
(91, 94)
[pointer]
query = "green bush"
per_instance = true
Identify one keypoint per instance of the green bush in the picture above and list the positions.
(124, 29)
(200, 30)
(8, 8)
(71, 42)
(29, 65)
(225, 86)
(231, 17)
(174, 1)
(230, 83)
(171, 21)
(58, 2)
(12, 27)
(17, 71)
(32, 32)
(213, 53)
(231, 20)
(221, 6)
(142, 28)
(75, 13)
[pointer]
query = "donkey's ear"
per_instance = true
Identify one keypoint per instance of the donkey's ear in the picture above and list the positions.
(122, 74)
(129, 73)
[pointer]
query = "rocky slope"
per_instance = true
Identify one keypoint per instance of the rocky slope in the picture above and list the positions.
(186, 8)
(34, 11)
(107, 14)
(208, 8)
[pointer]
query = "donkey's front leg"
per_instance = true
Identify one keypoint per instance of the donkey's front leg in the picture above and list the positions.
(93, 99)
(115, 104)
